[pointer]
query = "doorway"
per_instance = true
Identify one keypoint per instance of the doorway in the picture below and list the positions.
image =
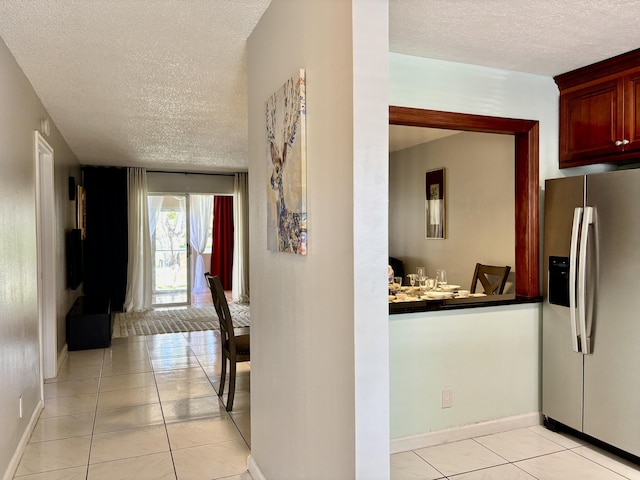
(46, 244)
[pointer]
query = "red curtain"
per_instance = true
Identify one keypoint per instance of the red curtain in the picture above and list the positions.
(222, 248)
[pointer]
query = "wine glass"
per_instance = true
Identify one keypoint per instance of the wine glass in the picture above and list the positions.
(412, 279)
(431, 284)
(441, 277)
(421, 271)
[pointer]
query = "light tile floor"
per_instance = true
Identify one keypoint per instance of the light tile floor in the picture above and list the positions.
(523, 454)
(147, 408)
(144, 409)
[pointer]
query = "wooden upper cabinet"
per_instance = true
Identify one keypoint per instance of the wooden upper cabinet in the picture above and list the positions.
(591, 121)
(600, 112)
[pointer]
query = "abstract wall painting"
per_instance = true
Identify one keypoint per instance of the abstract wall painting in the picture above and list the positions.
(287, 169)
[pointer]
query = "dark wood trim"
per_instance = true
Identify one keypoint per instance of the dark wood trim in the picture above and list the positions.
(527, 213)
(526, 133)
(596, 71)
(417, 117)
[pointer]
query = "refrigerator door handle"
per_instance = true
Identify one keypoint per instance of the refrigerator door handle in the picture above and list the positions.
(587, 220)
(573, 262)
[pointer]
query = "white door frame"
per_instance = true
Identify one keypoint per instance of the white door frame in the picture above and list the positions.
(46, 245)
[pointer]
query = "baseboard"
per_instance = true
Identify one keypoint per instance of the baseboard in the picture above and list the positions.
(413, 442)
(62, 357)
(15, 460)
(254, 469)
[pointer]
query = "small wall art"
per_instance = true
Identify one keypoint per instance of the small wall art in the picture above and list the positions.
(435, 204)
(81, 211)
(286, 172)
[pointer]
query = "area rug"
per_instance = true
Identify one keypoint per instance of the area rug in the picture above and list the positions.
(175, 320)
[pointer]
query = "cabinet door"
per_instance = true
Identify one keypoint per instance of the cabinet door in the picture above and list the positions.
(632, 111)
(591, 121)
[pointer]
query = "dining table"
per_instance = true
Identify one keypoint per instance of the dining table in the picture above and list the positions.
(402, 294)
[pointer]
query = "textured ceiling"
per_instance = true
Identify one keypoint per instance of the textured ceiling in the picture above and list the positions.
(545, 37)
(162, 83)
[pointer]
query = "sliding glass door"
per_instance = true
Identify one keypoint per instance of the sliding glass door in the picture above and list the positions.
(180, 226)
(169, 229)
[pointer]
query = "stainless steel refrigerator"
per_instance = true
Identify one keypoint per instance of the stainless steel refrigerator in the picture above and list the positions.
(591, 313)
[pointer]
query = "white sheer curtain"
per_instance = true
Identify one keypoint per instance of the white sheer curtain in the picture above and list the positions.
(240, 277)
(200, 218)
(155, 204)
(138, 294)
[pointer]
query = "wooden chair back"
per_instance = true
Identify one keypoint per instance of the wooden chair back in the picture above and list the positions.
(222, 309)
(492, 278)
(235, 347)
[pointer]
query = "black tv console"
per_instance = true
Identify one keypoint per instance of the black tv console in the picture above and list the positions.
(89, 323)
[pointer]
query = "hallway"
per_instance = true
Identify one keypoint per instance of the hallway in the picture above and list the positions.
(146, 408)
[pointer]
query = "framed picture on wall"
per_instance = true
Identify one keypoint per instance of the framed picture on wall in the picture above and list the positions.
(81, 211)
(435, 204)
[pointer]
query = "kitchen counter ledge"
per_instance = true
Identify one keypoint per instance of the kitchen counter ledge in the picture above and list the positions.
(459, 303)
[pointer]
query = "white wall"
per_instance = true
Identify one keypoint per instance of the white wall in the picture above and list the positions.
(19, 348)
(488, 356)
(479, 207)
(319, 370)
(439, 85)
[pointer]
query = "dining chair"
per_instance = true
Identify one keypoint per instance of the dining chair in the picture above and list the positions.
(492, 278)
(235, 344)
(398, 266)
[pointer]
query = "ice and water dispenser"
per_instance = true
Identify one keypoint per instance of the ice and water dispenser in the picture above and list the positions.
(559, 281)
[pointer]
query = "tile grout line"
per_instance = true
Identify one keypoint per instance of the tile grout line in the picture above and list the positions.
(525, 472)
(597, 463)
(95, 414)
(509, 462)
(432, 466)
(164, 420)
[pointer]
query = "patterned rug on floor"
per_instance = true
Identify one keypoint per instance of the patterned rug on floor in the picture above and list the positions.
(175, 320)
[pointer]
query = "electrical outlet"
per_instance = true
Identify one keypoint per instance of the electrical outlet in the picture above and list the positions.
(20, 406)
(447, 398)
